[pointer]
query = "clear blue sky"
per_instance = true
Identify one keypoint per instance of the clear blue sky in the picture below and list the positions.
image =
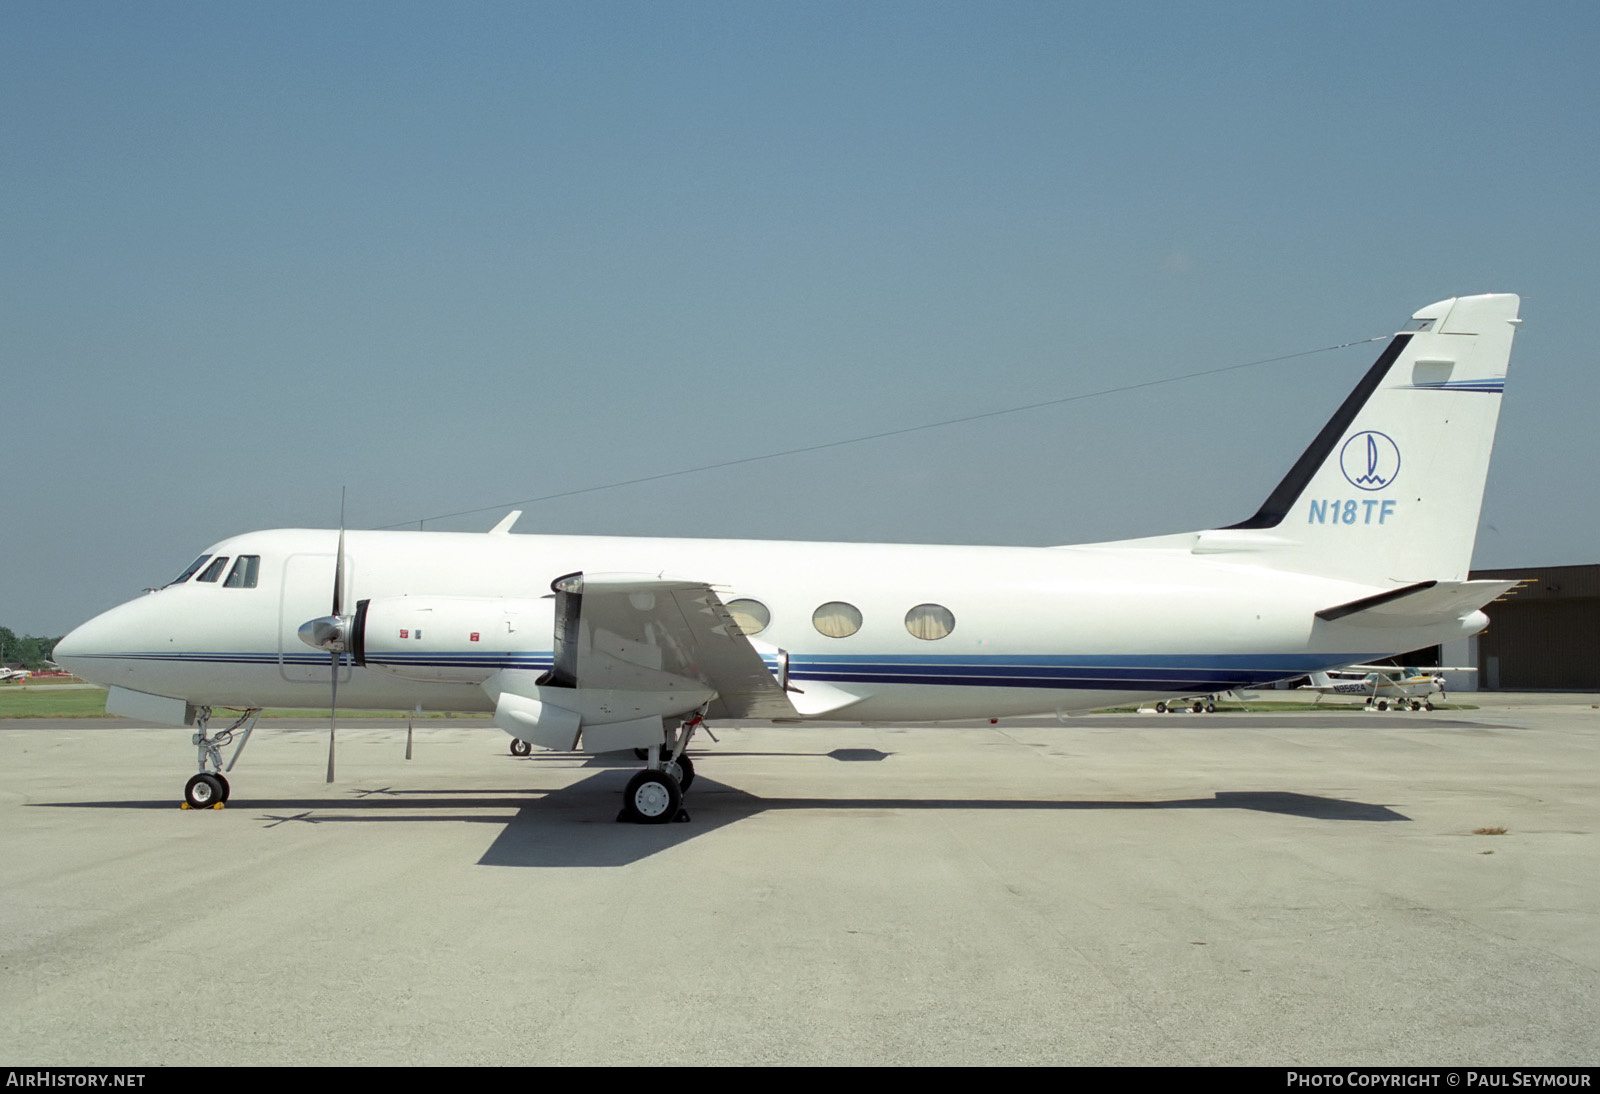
(455, 255)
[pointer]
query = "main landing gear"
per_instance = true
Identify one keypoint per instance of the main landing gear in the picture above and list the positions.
(655, 795)
(1400, 704)
(1202, 704)
(209, 789)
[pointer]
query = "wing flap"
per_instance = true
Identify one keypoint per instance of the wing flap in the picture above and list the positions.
(648, 633)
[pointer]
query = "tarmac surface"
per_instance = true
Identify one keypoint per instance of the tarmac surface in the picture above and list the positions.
(1282, 889)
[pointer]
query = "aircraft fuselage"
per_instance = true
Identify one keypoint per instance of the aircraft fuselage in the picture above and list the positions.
(1036, 630)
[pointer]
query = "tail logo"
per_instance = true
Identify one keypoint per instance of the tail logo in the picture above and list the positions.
(1370, 460)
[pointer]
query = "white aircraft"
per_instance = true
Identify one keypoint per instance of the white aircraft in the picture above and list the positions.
(13, 674)
(1383, 685)
(605, 644)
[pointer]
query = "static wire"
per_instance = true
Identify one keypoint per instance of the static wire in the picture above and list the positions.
(419, 521)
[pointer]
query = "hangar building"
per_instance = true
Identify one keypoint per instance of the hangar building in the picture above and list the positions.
(1544, 635)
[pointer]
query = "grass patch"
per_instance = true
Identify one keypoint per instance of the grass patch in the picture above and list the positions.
(91, 703)
(80, 702)
(54, 702)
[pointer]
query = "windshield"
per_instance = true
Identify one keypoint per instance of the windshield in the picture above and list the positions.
(213, 571)
(244, 573)
(190, 572)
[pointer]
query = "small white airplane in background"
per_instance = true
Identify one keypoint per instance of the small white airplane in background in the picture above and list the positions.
(1383, 686)
(7, 675)
(605, 644)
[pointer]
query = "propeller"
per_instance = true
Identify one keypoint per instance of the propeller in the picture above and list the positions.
(332, 633)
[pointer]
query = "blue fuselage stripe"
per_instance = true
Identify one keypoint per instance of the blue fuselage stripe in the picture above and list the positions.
(1105, 672)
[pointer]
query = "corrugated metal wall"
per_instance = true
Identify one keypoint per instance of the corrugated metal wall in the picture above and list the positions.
(1545, 635)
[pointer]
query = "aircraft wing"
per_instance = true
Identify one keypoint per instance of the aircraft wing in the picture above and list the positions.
(1412, 670)
(1417, 605)
(637, 632)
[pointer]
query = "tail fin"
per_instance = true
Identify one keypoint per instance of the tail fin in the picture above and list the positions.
(1389, 492)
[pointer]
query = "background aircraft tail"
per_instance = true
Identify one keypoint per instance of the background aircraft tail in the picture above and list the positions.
(1389, 491)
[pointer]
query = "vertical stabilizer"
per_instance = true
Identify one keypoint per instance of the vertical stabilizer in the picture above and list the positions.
(1389, 492)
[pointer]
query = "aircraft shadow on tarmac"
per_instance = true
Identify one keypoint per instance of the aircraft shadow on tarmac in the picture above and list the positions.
(539, 834)
(574, 825)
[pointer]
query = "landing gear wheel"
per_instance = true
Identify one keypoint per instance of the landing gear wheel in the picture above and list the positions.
(652, 797)
(1427, 704)
(1161, 708)
(1211, 708)
(203, 791)
(1415, 705)
(1383, 704)
(1198, 707)
(519, 747)
(227, 791)
(684, 773)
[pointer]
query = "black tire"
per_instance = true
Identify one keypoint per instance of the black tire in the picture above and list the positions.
(1416, 704)
(519, 747)
(685, 772)
(652, 797)
(1383, 704)
(1198, 707)
(227, 791)
(1427, 704)
(1161, 708)
(1211, 708)
(203, 791)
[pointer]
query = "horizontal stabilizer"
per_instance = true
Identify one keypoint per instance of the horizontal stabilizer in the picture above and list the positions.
(1417, 605)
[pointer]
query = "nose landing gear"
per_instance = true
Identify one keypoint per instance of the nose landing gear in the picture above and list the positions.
(205, 791)
(210, 789)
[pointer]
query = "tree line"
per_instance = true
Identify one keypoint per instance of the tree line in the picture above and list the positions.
(27, 651)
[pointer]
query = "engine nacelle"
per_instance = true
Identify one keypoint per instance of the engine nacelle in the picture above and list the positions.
(461, 639)
(608, 719)
(542, 724)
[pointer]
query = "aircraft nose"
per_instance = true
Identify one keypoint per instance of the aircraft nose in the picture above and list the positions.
(86, 649)
(70, 650)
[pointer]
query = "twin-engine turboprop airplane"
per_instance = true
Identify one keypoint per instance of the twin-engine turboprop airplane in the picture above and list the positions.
(605, 644)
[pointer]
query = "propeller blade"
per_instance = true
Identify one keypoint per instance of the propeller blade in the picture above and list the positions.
(337, 645)
(338, 575)
(333, 713)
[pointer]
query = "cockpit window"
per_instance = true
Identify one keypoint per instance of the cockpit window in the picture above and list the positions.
(244, 572)
(213, 571)
(187, 574)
